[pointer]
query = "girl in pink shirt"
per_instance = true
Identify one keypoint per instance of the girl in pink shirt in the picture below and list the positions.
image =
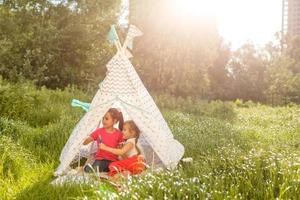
(109, 136)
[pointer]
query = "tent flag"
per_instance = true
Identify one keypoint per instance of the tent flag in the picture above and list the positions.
(112, 34)
(130, 44)
(83, 105)
(132, 33)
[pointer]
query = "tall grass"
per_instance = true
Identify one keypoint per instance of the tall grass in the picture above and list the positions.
(239, 150)
(191, 105)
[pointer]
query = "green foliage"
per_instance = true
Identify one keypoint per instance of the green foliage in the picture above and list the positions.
(247, 67)
(217, 109)
(55, 44)
(282, 77)
(240, 150)
(43, 141)
(18, 167)
(182, 57)
(25, 102)
(37, 117)
(247, 104)
(201, 129)
(230, 175)
(61, 43)
(254, 158)
(15, 160)
(51, 192)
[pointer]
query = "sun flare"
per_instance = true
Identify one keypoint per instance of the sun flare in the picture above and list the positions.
(195, 8)
(238, 21)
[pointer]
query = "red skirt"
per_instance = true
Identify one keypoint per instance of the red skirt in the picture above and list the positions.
(134, 165)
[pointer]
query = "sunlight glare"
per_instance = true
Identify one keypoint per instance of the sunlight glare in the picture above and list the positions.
(195, 8)
(238, 21)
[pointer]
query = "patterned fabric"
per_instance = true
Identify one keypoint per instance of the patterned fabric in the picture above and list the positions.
(132, 33)
(123, 89)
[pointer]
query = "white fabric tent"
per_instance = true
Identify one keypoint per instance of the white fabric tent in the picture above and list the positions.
(123, 89)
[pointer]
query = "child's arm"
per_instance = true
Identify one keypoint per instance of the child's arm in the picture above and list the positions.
(96, 134)
(127, 147)
(88, 140)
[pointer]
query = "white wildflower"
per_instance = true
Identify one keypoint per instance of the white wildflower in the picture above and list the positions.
(187, 159)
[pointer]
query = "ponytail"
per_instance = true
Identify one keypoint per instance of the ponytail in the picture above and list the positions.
(118, 116)
(121, 121)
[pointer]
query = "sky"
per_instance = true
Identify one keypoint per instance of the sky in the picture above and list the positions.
(238, 21)
(255, 20)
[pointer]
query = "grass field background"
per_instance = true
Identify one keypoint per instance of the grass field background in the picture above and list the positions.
(240, 150)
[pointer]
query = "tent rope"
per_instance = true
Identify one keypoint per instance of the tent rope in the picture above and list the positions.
(121, 100)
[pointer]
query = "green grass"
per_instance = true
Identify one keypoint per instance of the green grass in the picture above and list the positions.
(239, 151)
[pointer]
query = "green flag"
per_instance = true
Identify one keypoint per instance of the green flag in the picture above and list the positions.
(112, 34)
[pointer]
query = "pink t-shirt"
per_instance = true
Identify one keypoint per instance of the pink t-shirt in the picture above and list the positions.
(109, 139)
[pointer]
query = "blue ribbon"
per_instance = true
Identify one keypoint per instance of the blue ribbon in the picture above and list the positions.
(83, 105)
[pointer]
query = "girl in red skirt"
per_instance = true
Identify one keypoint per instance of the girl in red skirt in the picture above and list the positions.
(132, 162)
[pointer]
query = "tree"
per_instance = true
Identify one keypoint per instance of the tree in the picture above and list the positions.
(55, 44)
(219, 80)
(283, 75)
(247, 67)
(175, 52)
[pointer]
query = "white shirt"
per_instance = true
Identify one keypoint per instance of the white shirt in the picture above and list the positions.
(133, 151)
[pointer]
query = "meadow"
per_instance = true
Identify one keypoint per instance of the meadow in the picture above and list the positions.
(239, 150)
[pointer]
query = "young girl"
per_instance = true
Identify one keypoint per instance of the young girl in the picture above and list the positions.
(132, 163)
(109, 136)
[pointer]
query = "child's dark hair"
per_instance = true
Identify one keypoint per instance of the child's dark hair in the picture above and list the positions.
(115, 114)
(133, 127)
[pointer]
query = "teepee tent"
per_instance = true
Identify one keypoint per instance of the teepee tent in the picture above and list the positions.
(123, 89)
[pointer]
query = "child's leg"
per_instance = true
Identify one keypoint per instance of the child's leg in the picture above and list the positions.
(88, 163)
(88, 168)
(90, 160)
(98, 166)
(133, 165)
(117, 167)
(101, 165)
(137, 165)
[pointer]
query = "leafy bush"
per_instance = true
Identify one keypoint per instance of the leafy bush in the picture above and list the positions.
(56, 43)
(39, 119)
(38, 107)
(247, 104)
(11, 128)
(17, 100)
